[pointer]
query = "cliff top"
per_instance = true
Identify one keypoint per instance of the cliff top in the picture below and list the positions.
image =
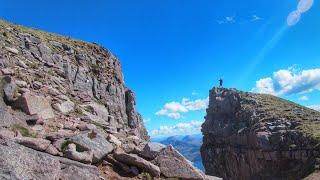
(269, 108)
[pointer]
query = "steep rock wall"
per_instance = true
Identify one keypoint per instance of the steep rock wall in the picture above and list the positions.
(257, 136)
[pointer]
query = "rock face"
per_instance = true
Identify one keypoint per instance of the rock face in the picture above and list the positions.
(257, 136)
(65, 112)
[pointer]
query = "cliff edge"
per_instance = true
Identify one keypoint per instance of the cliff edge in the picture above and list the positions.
(259, 136)
(65, 113)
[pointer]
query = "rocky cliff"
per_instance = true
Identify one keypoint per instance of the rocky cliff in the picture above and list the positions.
(65, 113)
(258, 136)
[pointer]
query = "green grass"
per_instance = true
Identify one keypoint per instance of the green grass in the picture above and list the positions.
(24, 131)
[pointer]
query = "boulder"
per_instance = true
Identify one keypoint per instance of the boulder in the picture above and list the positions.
(19, 162)
(151, 150)
(94, 141)
(34, 143)
(72, 153)
(33, 104)
(64, 107)
(135, 160)
(10, 91)
(173, 165)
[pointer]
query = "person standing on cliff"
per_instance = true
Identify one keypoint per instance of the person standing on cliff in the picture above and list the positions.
(220, 82)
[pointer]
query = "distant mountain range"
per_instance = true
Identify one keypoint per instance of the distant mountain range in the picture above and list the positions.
(189, 146)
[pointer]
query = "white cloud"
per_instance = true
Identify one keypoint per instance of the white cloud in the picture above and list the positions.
(178, 129)
(255, 18)
(289, 81)
(302, 7)
(194, 93)
(227, 20)
(315, 107)
(174, 109)
(147, 120)
(304, 98)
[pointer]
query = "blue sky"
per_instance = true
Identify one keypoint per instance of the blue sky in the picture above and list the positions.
(174, 51)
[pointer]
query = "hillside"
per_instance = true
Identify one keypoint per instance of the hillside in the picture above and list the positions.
(259, 136)
(65, 113)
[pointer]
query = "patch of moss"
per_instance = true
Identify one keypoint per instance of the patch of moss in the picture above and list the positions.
(24, 131)
(65, 144)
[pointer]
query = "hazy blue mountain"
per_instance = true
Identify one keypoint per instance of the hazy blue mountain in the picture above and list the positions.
(189, 146)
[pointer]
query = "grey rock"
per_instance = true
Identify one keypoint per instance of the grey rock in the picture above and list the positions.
(94, 141)
(10, 91)
(151, 150)
(173, 165)
(135, 160)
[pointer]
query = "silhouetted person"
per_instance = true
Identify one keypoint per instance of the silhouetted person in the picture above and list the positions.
(220, 82)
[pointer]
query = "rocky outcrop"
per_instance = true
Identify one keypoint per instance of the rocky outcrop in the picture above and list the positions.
(65, 113)
(258, 136)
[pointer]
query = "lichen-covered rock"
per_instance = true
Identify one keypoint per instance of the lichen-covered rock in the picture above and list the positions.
(258, 136)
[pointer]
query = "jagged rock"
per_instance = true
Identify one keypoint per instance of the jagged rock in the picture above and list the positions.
(64, 107)
(84, 156)
(135, 160)
(151, 150)
(52, 150)
(173, 165)
(258, 136)
(94, 141)
(32, 104)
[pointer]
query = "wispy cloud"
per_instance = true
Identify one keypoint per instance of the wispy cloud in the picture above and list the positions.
(227, 20)
(178, 129)
(255, 18)
(174, 109)
(239, 20)
(303, 98)
(289, 81)
(302, 7)
(315, 107)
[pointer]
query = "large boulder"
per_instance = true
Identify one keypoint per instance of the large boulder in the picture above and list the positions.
(93, 141)
(72, 153)
(173, 165)
(33, 104)
(19, 162)
(151, 150)
(135, 160)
